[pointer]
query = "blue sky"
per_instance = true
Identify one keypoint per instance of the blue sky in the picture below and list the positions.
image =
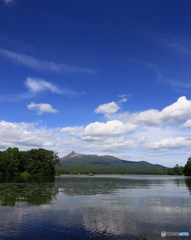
(98, 77)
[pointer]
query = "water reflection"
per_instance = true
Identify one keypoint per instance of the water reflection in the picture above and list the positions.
(86, 208)
(188, 184)
(41, 190)
(93, 186)
(33, 190)
(111, 185)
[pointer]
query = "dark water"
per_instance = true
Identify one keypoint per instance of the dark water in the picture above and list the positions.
(99, 207)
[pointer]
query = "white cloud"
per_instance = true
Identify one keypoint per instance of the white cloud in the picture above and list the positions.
(34, 135)
(123, 98)
(75, 130)
(111, 108)
(114, 127)
(41, 108)
(111, 144)
(170, 143)
(107, 108)
(174, 113)
(187, 124)
(42, 65)
(149, 117)
(178, 111)
(21, 135)
(38, 85)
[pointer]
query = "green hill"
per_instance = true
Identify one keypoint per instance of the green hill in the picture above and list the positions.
(82, 163)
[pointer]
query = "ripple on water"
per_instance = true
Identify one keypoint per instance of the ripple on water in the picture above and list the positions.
(78, 209)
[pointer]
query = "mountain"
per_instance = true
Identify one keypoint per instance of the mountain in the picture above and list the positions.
(70, 155)
(106, 164)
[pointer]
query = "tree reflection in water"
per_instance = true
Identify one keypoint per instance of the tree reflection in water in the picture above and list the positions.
(42, 190)
(125, 207)
(33, 190)
(188, 184)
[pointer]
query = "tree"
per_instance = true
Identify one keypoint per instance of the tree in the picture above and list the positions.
(41, 162)
(187, 167)
(10, 161)
(2, 162)
(177, 170)
(35, 161)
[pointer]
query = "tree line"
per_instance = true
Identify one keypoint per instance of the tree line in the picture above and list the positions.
(38, 162)
(77, 170)
(180, 170)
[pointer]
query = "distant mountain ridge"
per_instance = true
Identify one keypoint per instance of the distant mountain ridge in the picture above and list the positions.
(78, 161)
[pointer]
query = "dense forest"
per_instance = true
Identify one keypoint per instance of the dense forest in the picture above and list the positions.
(38, 162)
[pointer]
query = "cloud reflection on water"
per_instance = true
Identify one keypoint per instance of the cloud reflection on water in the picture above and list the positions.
(123, 207)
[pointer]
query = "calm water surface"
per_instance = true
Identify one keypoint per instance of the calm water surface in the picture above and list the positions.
(81, 207)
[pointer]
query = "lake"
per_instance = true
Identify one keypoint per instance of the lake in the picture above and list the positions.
(98, 207)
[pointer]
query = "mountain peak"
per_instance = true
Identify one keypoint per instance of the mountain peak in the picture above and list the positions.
(73, 152)
(71, 155)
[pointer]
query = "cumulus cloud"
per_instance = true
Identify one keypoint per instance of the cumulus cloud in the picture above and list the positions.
(187, 124)
(170, 143)
(114, 127)
(174, 113)
(111, 144)
(73, 130)
(41, 108)
(111, 108)
(107, 108)
(149, 117)
(41, 65)
(178, 111)
(21, 135)
(35, 135)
